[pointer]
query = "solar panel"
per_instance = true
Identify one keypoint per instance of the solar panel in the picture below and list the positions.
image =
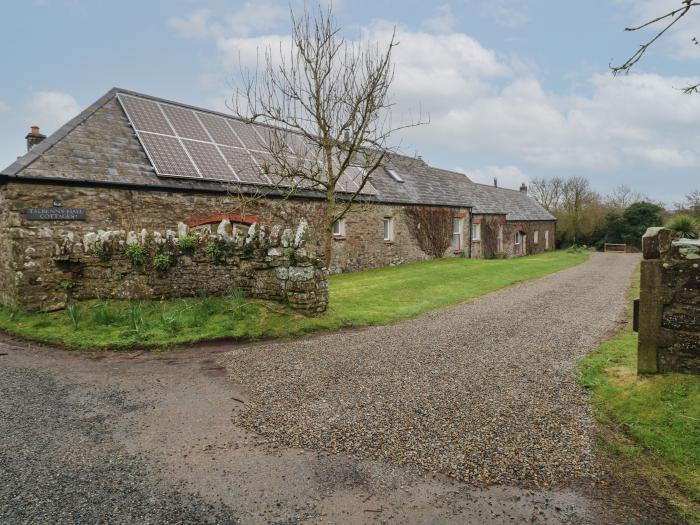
(208, 159)
(184, 122)
(220, 132)
(145, 115)
(185, 142)
(168, 156)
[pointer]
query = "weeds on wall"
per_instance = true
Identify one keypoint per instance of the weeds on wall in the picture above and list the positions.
(187, 243)
(136, 254)
(162, 262)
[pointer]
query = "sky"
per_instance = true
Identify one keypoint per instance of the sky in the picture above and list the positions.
(513, 89)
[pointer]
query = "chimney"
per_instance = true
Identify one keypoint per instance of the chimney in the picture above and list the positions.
(495, 182)
(523, 188)
(34, 137)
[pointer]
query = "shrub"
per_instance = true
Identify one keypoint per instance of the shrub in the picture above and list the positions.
(187, 243)
(162, 262)
(136, 254)
(684, 226)
(102, 252)
(215, 250)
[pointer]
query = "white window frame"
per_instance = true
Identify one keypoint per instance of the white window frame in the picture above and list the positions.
(457, 233)
(339, 228)
(476, 232)
(388, 229)
(536, 237)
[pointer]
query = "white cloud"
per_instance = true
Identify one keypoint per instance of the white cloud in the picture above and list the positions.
(507, 176)
(50, 109)
(4, 108)
(195, 25)
(443, 21)
(249, 18)
(482, 104)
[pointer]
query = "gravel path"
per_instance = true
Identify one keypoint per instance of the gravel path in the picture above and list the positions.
(484, 392)
(59, 464)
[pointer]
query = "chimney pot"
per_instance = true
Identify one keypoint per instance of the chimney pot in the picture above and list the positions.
(523, 188)
(34, 137)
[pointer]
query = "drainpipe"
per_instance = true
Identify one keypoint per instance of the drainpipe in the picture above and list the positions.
(469, 234)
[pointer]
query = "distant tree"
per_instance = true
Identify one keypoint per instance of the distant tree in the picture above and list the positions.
(574, 212)
(622, 196)
(665, 21)
(638, 217)
(547, 192)
(691, 205)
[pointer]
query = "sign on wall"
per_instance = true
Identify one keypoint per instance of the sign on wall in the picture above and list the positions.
(55, 214)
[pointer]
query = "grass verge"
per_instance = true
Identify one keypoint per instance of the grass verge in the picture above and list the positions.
(651, 424)
(357, 299)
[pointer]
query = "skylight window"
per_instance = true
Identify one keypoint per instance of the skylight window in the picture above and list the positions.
(392, 173)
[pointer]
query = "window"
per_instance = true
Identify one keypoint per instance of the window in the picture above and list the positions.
(476, 232)
(546, 239)
(536, 237)
(339, 228)
(388, 229)
(457, 233)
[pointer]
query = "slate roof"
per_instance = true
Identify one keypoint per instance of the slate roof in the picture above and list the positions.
(422, 184)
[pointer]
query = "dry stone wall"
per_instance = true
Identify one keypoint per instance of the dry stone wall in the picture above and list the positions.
(46, 263)
(669, 309)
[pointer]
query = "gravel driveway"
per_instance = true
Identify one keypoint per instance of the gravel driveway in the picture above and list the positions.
(484, 392)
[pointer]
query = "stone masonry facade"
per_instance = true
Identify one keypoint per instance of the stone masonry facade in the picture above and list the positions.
(539, 237)
(669, 309)
(35, 274)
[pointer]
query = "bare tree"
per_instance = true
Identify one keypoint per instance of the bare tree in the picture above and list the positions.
(327, 103)
(547, 192)
(666, 22)
(622, 196)
(577, 197)
(691, 205)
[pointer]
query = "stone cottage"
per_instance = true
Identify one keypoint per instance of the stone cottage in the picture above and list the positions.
(132, 168)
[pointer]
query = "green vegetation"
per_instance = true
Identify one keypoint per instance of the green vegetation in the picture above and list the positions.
(652, 422)
(136, 254)
(357, 299)
(162, 262)
(685, 226)
(187, 243)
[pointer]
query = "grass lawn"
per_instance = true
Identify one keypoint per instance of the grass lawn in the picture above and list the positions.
(652, 422)
(356, 299)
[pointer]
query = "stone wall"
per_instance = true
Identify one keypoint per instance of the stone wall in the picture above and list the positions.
(269, 264)
(28, 270)
(669, 309)
(363, 246)
(486, 248)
